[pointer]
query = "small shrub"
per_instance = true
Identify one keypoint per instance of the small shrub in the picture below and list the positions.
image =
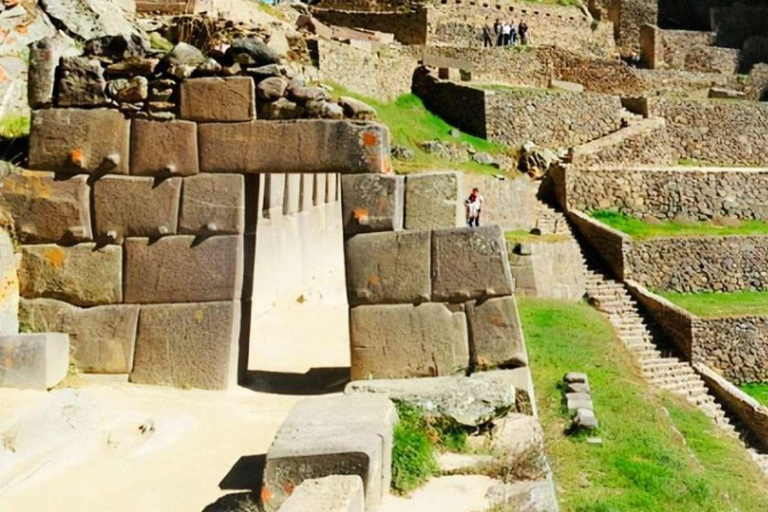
(413, 457)
(13, 126)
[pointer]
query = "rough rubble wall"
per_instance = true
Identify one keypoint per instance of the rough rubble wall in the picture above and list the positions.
(737, 347)
(641, 143)
(694, 51)
(408, 27)
(633, 14)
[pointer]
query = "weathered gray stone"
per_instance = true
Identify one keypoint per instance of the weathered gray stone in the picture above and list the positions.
(117, 45)
(163, 147)
(80, 274)
(392, 267)
(136, 66)
(44, 56)
(323, 110)
(280, 109)
(520, 379)
(184, 54)
(356, 109)
(434, 200)
(82, 83)
(76, 140)
(177, 269)
(294, 146)
(574, 405)
(303, 94)
(372, 202)
(135, 206)
(213, 203)
(272, 88)
(517, 436)
(9, 284)
(467, 401)
(252, 51)
(33, 360)
(101, 337)
(469, 263)
(576, 377)
(47, 209)
(495, 334)
(336, 493)
(577, 387)
(535, 496)
(188, 345)
(585, 420)
(129, 90)
(398, 341)
(211, 100)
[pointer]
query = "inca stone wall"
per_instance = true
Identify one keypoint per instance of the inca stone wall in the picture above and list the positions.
(688, 50)
(630, 16)
(551, 269)
(461, 105)
(408, 27)
(642, 142)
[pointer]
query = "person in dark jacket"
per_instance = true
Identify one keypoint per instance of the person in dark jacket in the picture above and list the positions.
(523, 31)
(487, 34)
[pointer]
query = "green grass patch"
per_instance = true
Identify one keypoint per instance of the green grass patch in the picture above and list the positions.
(521, 236)
(757, 390)
(637, 228)
(713, 305)
(658, 453)
(14, 125)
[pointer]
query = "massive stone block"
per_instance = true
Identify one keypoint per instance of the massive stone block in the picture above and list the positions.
(135, 206)
(163, 147)
(469, 263)
(399, 341)
(211, 100)
(46, 209)
(81, 83)
(101, 337)
(434, 200)
(495, 334)
(33, 360)
(9, 284)
(213, 203)
(389, 268)
(188, 345)
(81, 274)
(294, 146)
(372, 202)
(77, 140)
(336, 493)
(177, 269)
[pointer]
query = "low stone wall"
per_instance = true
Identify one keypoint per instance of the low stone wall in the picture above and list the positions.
(676, 322)
(549, 118)
(462, 106)
(735, 346)
(608, 243)
(642, 142)
(715, 132)
(686, 49)
(630, 15)
(408, 27)
(666, 193)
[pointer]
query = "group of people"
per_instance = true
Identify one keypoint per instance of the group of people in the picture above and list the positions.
(504, 34)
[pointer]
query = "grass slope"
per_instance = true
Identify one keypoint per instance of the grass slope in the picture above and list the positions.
(637, 228)
(658, 452)
(758, 391)
(712, 305)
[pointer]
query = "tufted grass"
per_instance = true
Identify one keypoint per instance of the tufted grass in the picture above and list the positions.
(757, 390)
(658, 453)
(637, 228)
(14, 125)
(713, 305)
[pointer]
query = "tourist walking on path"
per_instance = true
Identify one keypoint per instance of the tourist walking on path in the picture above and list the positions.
(474, 205)
(523, 30)
(487, 34)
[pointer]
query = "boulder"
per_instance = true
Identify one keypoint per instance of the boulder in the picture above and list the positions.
(129, 90)
(496, 337)
(434, 200)
(282, 108)
(390, 267)
(272, 88)
(213, 204)
(33, 360)
(82, 83)
(91, 19)
(302, 94)
(536, 161)
(184, 54)
(118, 46)
(372, 202)
(252, 52)
(356, 109)
(44, 57)
(262, 72)
(336, 493)
(323, 110)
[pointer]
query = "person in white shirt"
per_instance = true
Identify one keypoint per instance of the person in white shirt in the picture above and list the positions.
(506, 33)
(474, 206)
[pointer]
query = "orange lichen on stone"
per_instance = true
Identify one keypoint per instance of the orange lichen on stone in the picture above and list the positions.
(360, 213)
(289, 487)
(369, 139)
(76, 156)
(55, 256)
(373, 280)
(265, 495)
(496, 320)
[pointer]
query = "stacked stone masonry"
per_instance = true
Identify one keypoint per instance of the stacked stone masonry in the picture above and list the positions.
(687, 50)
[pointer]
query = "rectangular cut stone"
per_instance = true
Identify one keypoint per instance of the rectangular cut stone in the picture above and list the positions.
(495, 334)
(307, 192)
(332, 187)
(213, 203)
(391, 267)
(212, 100)
(188, 345)
(46, 209)
(82, 274)
(135, 206)
(336, 493)
(434, 200)
(9, 284)
(372, 202)
(400, 341)
(77, 140)
(177, 269)
(315, 145)
(271, 194)
(33, 360)
(469, 263)
(102, 338)
(520, 379)
(292, 194)
(44, 57)
(318, 195)
(163, 147)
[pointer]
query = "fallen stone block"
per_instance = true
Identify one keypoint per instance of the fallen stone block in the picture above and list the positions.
(399, 341)
(520, 379)
(188, 345)
(495, 334)
(392, 267)
(101, 337)
(337, 493)
(728, 94)
(469, 263)
(517, 436)
(168, 147)
(47, 209)
(127, 206)
(372, 202)
(294, 146)
(577, 387)
(562, 85)
(33, 360)
(574, 405)
(467, 401)
(434, 200)
(576, 377)
(9, 284)
(585, 420)
(82, 274)
(177, 269)
(213, 100)
(79, 141)
(213, 204)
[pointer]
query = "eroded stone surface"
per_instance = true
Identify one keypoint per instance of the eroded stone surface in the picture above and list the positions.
(336, 493)
(434, 200)
(372, 202)
(213, 203)
(212, 100)
(495, 334)
(163, 147)
(33, 360)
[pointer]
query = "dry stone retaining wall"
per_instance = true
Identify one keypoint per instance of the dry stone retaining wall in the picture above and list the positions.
(408, 27)
(643, 142)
